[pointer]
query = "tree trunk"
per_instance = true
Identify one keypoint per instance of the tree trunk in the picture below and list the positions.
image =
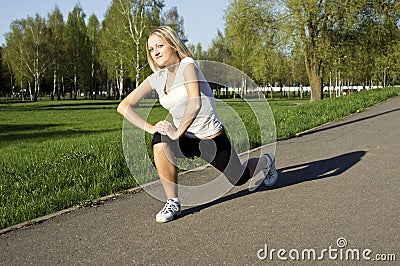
(137, 76)
(316, 87)
(315, 74)
(36, 89)
(120, 80)
(62, 92)
(30, 90)
(75, 82)
(93, 81)
(54, 84)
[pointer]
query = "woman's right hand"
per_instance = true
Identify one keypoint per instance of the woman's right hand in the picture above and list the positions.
(166, 128)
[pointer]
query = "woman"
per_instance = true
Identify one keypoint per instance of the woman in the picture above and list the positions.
(196, 129)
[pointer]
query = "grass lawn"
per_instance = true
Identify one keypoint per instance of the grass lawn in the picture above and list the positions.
(58, 154)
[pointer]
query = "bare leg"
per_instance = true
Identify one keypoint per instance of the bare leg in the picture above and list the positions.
(166, 167)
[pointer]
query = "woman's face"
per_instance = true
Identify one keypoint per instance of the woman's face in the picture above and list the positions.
(161, 52)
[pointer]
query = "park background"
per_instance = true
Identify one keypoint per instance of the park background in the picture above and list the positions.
(61, 79)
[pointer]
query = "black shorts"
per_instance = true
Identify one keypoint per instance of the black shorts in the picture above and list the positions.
(217, 151)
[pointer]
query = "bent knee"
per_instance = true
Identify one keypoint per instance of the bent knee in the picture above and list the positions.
(162, 148)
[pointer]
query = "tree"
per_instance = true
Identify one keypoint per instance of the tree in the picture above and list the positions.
(175, 21)
(123, 38)
(219, 51)
(198, 51)
(310, 21)
(13, 51)
(241, 32)
(78, 52)
(298, 67)
(342, 34)
(93, 33)
(110, 44)
(139, 17)
(267, 39)
(37, 39)
(5, 75)
(378, 27)
(27, 51)
(253, 39)
(57, 48)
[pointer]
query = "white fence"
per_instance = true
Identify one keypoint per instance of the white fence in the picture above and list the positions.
(308, 89)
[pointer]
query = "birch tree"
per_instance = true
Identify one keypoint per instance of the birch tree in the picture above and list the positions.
(140, 16)
(77, 48)
(13, 53)
(27, 50)
(56, 27)
(93, 33)
(112, 56)
(37, 38)
(123, 38)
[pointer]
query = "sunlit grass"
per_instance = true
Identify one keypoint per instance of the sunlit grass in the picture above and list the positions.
(58, 154)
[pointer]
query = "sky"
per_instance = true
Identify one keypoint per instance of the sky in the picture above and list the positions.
(202, 19)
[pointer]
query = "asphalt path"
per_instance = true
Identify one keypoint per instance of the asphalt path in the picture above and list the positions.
(338, 196)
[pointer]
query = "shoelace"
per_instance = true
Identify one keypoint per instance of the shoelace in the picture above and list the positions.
(270, 167)
(169, 207)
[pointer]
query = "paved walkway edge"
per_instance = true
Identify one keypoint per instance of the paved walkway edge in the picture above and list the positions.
(102, 199)
(140, 188)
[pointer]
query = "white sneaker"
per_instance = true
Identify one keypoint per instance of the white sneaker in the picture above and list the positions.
(271, 175)
(171, 209)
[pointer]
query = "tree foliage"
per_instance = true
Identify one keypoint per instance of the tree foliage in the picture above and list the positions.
(123, 37)
(175, 21)
(93, 33)
(27, 51)
(6, 77)
(57, 50)
(78, 50)
(273, 40)
(82, 56)
(276, 42)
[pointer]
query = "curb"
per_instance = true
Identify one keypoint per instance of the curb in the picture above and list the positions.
(105, 198)
(140, 188)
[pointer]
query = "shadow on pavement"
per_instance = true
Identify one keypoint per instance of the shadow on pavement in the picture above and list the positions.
(293, 175)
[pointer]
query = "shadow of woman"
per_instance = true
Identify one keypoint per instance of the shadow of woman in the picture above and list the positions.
(331, 167)
(293, 175)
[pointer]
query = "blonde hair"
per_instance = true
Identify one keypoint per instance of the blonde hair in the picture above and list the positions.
(172, 38)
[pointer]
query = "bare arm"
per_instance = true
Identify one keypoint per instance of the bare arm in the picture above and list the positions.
(126, 107)
(194, 99)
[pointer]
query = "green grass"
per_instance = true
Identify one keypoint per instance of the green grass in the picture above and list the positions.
(58, 154)
(295, 119)
(55, 155)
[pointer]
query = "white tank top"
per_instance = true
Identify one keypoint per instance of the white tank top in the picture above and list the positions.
(207, 122)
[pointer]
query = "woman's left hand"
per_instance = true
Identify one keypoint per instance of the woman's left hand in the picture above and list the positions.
(166, 128)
